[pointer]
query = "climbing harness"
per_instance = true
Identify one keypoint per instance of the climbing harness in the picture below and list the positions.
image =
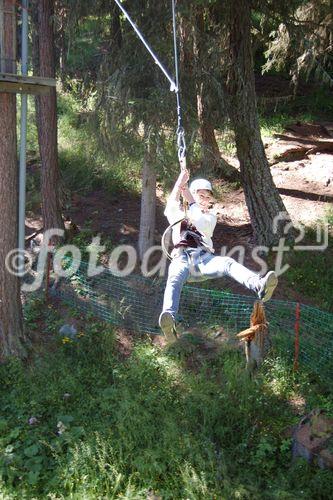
(164, 235)
(174, 84)
(189, 235)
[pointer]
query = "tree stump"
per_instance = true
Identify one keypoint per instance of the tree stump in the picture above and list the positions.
(256, 339)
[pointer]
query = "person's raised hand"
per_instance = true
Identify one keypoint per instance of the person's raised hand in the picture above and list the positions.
(183, 178)
(182, 162)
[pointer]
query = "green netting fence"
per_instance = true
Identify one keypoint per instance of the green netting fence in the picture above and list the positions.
(134, 302)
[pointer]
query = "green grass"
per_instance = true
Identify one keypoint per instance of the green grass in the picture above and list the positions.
(274, 124)
(277, 122)
(316, 106)
(115, 427)
(32, 137)
(226, 142)
(313, 107)
(311, 272)
(269, 125)
(84, 161)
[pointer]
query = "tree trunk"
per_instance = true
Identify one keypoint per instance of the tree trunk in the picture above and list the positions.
(263, 200)
(148, 204)
(211, 156)
(11, 319)
(46, 115)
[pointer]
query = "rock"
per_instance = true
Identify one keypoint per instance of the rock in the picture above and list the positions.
(325, 459)
(61, 428)
(68, 331)
(313, 438)
(152, 496)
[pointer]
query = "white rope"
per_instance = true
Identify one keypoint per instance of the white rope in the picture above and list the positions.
(181, 144)
(173, 85)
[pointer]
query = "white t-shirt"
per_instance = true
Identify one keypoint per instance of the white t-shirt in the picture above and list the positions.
(204, 222)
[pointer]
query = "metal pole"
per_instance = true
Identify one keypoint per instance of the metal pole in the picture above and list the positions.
(297, 320)
(23, 136)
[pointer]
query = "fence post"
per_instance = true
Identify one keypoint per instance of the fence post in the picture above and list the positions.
(297, 321)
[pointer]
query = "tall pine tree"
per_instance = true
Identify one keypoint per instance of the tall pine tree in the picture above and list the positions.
(12, 336)
(262, 197)
(46, 114)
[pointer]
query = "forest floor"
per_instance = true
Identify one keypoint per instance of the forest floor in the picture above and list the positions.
(301, 161)
(108, 415)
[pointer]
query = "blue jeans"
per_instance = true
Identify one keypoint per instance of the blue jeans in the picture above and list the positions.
(199, 265)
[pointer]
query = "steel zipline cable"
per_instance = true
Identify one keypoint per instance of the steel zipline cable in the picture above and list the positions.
(174, 84)
(174, 87)
(180, 129)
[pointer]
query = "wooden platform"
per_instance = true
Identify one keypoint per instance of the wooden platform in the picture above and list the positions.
(19, 84)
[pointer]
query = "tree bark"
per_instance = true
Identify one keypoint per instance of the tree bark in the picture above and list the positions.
(148, 204)
(46, 115)
(12, 336)
(263, 200)
(211, 156)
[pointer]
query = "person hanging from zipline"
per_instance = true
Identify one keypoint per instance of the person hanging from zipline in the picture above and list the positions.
(193, 256)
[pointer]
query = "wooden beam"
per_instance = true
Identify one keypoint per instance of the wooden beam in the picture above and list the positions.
(19, 84)
(38, 80)
(23, 88)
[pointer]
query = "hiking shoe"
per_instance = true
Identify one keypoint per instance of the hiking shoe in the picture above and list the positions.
(267, 286)
(168, 327)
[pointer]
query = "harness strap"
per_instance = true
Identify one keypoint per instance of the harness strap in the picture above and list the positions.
(202, 246)
(163, 245)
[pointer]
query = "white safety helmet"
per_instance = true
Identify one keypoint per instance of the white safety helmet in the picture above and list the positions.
(200, 184)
